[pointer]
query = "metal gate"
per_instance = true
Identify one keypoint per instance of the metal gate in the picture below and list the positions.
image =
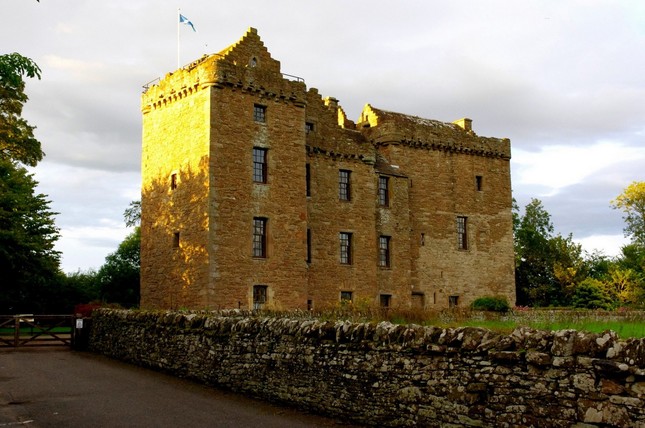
(36, 330)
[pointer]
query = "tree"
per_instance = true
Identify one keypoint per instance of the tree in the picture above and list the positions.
(17, 141)
(534, 278)
(28, 261)
(118, 278)
(632, 203)
(132, 214)
(548, 268)
(590, 295)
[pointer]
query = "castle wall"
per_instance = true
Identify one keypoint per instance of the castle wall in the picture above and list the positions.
(332, 148)
(453, 173)
(174, 220)
(235, 200)
(393, 375)
(443, 186)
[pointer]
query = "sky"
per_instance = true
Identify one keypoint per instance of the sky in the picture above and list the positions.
(563, 79)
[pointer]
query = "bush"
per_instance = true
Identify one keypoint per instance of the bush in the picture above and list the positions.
(590, 295)
(494, 304)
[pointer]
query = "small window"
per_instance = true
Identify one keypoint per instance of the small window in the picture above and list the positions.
(384, 251)
(259, 296)
(479, 181)
(344, 191)
(308, 179)
(259, 165)
(462, 233)
(309, 127)
(175, 240)
(173, 181)
(308, 245)
(260, 113)
(453, 301)
(346, 296)
(383, 191)
(310, 305)
(423, 239)
(253, 62)
(259, 237)
(385, 300)
(345, 248)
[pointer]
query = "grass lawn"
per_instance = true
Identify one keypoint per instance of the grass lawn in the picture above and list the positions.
(628, 324)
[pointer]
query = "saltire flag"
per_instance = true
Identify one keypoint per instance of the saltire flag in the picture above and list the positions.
(184, 20)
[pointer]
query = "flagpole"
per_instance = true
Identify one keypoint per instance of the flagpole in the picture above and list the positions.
(178, 57)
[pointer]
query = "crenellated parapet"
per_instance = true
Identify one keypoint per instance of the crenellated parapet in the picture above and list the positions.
(388, 128)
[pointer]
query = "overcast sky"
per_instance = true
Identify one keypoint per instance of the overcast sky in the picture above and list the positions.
(564, 80)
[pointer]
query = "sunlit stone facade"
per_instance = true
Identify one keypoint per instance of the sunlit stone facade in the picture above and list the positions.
(259, 192)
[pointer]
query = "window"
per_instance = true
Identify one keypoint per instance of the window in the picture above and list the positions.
(308, 245)
(384, 251)
(479, 181)
(259, 237)
(343, 185)
(346, 296)
(173, 181)
(259, 113)
(385, 300)
(418, 300)
(308, 179)
(345, 248)
(383, 191)
(259, 296)
(309, 127)
(175, 240)
(453, 301)
(259, 165)
(310, 304)
(462, 233)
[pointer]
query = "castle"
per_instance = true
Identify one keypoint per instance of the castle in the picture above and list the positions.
(258, 192)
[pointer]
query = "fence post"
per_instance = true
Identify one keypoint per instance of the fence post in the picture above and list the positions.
(16, 331)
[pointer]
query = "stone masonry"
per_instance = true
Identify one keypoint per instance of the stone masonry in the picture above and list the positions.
(393, 375)
(259, 192)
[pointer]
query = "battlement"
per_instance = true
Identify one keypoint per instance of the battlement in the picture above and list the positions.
(384, 127)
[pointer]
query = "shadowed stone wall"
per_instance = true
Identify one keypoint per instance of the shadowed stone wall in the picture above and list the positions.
(392, 375)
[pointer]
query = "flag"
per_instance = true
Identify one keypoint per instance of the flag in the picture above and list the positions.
(184, 20)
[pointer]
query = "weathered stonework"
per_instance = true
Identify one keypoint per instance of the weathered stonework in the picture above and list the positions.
(393, 375)
(199, 198)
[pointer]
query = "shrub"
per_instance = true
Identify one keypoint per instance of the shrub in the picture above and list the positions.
(494, 304)
(591, 295)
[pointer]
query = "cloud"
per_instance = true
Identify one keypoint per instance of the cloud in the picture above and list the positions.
(562, 80)
(557, 167)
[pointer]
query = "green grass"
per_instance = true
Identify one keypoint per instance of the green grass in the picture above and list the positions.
(29, 330)
(623, 329)
(626, 323)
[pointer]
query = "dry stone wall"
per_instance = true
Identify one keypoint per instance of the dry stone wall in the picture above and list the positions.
(392, 375)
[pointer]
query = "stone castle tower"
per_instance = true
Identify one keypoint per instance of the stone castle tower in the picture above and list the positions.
(257, 191)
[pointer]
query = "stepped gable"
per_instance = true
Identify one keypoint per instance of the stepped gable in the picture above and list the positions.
(246, 65)
(384, 127)
(250, 52)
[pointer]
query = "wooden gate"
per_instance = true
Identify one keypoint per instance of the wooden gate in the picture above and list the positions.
(36, 330)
